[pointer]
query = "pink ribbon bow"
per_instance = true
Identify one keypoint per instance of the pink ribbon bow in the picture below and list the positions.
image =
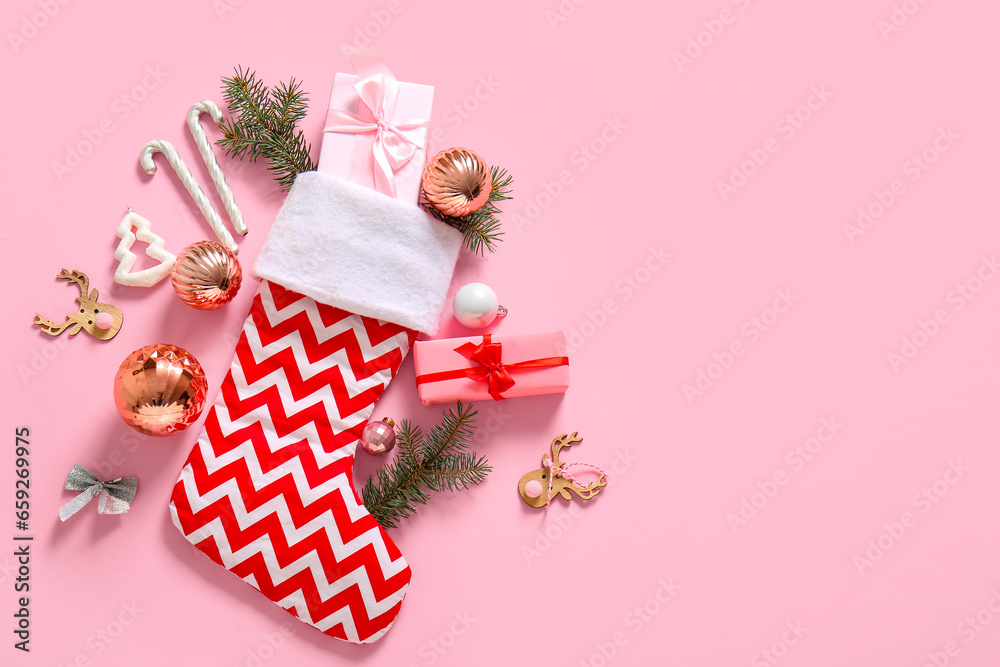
(389, 144)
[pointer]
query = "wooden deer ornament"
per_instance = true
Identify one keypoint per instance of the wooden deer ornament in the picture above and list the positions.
(101, 320)
(554, 478)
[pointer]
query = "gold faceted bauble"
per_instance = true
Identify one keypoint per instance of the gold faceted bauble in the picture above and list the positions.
(160, 389)
(206, 275)
(457, 182)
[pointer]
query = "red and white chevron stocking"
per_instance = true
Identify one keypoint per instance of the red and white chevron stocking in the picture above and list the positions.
(349, 279)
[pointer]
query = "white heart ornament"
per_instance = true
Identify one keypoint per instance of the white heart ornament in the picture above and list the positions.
(126, 258)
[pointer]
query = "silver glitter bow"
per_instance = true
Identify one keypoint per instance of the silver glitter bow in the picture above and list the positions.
(112, 497)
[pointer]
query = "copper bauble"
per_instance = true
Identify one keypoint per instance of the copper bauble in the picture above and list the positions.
(206, 275)
(457, 182)
(160, 389)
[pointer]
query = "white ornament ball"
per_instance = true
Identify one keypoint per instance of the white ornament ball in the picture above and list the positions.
(476, 305)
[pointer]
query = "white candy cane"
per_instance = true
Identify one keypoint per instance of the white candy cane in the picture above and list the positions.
(183, 173)
(214, 170)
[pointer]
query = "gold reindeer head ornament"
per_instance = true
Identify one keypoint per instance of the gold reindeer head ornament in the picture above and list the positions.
(101, 320)
(554, 478)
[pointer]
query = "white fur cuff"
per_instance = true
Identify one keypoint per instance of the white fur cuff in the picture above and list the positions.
(353, 248)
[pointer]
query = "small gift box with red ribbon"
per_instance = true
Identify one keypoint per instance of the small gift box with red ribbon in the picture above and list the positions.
(376, 129)
(490, 367)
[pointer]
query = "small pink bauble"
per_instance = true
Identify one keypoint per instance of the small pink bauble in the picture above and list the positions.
(457, 182)
(378, 438)
(206, 275)
(160, 389)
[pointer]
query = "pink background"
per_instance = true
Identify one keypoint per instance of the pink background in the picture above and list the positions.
(495, 582)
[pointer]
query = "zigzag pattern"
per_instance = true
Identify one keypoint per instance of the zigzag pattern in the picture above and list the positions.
(267, 490)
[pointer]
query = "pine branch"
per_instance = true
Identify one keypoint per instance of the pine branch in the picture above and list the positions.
(263, 123)
(454, 472)
(440, 462)
(480, 229)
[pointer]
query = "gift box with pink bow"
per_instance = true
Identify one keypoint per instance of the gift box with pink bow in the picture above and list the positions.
(490, 367)
(376, 129)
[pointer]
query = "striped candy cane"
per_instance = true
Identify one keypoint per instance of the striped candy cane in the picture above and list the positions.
(214, 170)
(187, 180)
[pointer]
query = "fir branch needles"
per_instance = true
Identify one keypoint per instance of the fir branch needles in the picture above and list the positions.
(439, 462)
(263, 124)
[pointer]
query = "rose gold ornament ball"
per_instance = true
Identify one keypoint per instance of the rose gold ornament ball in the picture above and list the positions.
(160, 389)
(378, 438)
(206, 275)
(457, 182)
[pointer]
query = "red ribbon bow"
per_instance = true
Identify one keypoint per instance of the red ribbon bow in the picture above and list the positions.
(491, 369)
